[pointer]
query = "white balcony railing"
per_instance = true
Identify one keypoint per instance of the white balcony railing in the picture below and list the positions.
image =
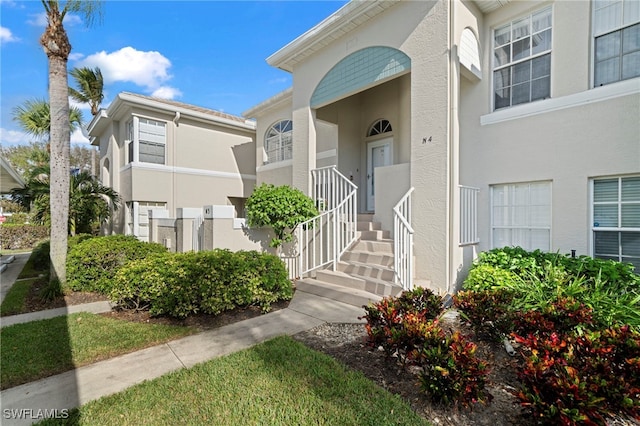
(323, 239)
(403, 242)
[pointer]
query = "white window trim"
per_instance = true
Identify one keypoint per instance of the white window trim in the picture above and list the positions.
(280, 152)
(136, 139)
(597, 94)
(592, 228)
(550, 227)
(592, 48)
(492, 66)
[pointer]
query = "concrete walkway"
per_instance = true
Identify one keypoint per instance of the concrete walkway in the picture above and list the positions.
(10, 274)
(67, 390)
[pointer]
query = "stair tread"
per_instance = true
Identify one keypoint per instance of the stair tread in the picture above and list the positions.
(368, 265)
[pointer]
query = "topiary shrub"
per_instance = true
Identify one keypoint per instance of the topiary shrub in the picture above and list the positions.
(209, 282)
(280, 207)
(92, 263)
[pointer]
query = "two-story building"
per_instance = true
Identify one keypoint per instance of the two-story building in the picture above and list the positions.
(502, 122)
(167, 155)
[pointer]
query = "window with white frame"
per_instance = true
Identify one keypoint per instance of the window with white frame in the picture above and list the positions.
(616, 219)
(522, 60)
(278, 141)
(138, 217)
(616, 32)
(521, 215)
(146, 141)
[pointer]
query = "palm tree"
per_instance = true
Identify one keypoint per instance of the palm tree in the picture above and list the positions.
(89, 201)
(34, 117)
(90, 85)
(55, 43)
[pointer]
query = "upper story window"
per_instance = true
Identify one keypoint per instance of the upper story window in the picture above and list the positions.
(616, 32)
(278, 141)
(146, 140)
(522, 60)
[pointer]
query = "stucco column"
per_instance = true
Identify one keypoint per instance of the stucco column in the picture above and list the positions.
(430, 154)
(304, 147)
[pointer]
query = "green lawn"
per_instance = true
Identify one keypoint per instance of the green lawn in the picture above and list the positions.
(14, 301)
(279, 382)
(43, 348)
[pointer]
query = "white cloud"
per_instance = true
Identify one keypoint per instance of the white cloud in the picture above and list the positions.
(147, 69)
(78, 137)
(6, 36)
(13, 137)
(75, 56)
(40, 20)
(166, 92)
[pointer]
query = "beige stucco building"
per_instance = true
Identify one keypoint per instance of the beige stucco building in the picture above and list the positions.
(484, 123)
(166, 155)
(516, 123)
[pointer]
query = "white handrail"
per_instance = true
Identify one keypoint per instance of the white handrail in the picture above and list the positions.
(403, 242)
(324, 238)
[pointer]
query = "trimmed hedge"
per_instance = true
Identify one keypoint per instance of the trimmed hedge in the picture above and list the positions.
(92, 263)
(209, 282)
(16, 237)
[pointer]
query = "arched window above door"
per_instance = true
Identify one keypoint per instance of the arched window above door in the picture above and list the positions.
(379, 127)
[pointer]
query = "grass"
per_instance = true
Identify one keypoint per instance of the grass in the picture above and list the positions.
(14, 301)
(43, 348)
(279, 382)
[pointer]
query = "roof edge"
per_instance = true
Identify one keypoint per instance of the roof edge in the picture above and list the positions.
(334, 22)
(269, 103)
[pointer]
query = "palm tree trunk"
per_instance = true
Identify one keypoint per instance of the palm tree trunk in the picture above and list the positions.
(60, 139)
(57, 47)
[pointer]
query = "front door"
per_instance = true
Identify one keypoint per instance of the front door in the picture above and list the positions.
(379, 154)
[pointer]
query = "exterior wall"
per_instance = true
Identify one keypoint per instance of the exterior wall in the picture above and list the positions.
(578, 134)
(392, 184)
(206, 161)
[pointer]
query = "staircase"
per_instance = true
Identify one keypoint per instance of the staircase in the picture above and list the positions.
(364, 273)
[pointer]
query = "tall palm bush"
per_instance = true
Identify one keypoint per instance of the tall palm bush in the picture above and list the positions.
(90, 87)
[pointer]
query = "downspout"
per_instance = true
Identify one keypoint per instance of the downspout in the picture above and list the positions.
(174, 145)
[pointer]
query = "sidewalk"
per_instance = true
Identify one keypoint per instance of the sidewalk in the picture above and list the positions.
(77, 387)
(10, 274)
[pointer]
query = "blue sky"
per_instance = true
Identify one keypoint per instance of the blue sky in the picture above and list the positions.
(207, 53)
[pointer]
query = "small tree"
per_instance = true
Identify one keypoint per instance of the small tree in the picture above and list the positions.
(280, 207)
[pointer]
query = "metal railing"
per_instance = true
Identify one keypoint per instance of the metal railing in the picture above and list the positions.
(469, 215)
(323, 239)
(403, 242)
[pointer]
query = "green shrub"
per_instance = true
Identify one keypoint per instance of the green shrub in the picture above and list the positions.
(280, 207)
(92, 263)
(210, 282)
(489, 277)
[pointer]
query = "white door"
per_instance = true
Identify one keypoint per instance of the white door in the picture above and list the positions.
(379, 154)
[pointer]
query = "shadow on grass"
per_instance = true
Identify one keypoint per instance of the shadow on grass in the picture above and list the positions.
(52, 397)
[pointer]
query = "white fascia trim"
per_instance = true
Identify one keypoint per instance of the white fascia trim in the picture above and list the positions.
(273, 166)
(247, 125)
(597, 94)
(273, 102)
(186, 171)
(336, 22)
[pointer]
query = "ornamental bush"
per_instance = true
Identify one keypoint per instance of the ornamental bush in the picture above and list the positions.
(280, 207)
(92, 263)
(407, 327)
(209, 282)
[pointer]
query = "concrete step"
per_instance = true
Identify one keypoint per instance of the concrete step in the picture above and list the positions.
(350, 296)
(380, 287)
(369, 226)
(374, 235)
(365, 217)
(340, 278)
(367, 270)
(379, 247)
(368, 257)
